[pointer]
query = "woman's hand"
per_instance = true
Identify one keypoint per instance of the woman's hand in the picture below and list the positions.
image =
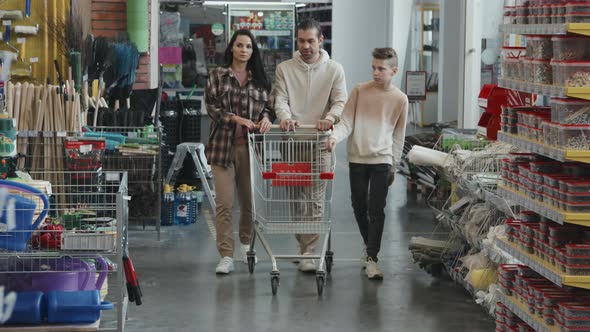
(264, 125)
(244, 122)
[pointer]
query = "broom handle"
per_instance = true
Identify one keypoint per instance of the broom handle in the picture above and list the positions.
(28, 8)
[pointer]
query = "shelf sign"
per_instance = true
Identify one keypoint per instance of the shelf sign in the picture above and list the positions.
(416, 85)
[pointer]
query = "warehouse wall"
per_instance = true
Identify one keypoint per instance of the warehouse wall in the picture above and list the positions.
(357, 28)
(109, 17)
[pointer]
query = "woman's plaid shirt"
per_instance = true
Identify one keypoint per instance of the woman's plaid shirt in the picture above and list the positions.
(222, 96)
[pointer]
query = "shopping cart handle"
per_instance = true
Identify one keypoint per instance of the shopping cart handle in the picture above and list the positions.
(304, 127)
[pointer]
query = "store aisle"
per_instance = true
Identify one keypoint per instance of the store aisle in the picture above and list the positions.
(182, 293)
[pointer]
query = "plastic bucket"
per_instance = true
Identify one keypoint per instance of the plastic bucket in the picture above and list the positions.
(75, 307)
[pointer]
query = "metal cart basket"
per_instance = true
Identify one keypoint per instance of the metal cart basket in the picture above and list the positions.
(292, 175)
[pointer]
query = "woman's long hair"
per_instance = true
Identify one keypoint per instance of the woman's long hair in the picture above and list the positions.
(254, 64)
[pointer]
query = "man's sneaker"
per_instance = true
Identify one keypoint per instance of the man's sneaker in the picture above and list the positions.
(307, 265)
(225, 265)
(244, 248)
(364, 258)
(372, 270)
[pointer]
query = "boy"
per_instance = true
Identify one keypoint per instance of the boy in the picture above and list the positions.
(375, 118)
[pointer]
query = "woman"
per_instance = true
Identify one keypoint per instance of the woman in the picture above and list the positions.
(238, 99)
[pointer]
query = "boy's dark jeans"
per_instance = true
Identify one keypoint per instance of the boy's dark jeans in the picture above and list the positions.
(369, 187)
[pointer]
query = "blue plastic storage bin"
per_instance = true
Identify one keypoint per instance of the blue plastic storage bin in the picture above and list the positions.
(75, 307)
(29, 309)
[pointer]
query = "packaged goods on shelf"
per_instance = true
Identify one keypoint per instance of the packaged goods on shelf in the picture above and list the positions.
(570, 111)
(577, 18)
(539, 47)
(569, 48)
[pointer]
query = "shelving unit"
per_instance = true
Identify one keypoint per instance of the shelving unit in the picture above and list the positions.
(546, 29)
(523, 313)
(560, 217)
(425, 45)
(547, 90)
(545, 150)
(543, 268)
(322, 12)
(546, 269)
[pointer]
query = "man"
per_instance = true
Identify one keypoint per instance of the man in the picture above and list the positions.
(375, 118)
(309, 89)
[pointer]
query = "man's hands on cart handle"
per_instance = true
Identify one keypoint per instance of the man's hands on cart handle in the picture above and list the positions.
(324, 125)
(289, 124)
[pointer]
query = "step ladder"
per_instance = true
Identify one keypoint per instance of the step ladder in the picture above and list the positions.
(197, 153)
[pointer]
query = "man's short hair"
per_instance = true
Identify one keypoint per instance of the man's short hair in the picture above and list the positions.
(309, 24)
(386, 53)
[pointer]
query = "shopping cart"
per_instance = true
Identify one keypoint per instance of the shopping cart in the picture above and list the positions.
(292, 175)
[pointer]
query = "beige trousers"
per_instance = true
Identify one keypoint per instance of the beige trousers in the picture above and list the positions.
(226, 181)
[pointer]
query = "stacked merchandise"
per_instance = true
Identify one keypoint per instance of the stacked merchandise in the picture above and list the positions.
(422, 175)
(551, 241)
(507, 321)
(567, 308)
(562, 186)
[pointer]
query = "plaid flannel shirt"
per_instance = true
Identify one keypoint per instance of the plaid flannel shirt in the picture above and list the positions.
(221, 98)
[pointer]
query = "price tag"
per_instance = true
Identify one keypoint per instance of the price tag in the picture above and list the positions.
(62, 133)
(21, 40)
(34, 60)
(152, 135)
(169, 69)
(6, 22)
(132, 135)
(85, 148)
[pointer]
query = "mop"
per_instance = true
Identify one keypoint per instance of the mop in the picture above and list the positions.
(27, 29)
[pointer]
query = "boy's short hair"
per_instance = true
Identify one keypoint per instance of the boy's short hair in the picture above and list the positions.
(309, 24)
(386, 53)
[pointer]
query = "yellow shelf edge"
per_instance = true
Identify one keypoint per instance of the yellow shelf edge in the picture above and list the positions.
(580, 93)
(514, 301)
(582, 219)
(579, 28)
(574, 281)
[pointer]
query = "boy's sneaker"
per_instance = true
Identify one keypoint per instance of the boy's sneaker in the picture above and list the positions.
(307, 265)
(225, 265)
(244, 248)
(372, 270)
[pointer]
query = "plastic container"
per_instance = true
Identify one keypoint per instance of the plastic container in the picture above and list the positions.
(558, 19)
(570, 111)
(577, 197)
(577, 7)
(577, 260)
(577, 270)
(510, 68)
(574, 309)
(577, 17)
(527, 70)
(577, 170)
(574, 137)
(29, 309)
(566, 48)
(578, 249)
(542, 71)
(24, 209)
(75, 307)
(537, 179)
(572, 73)
(576, 207)
(540, 47)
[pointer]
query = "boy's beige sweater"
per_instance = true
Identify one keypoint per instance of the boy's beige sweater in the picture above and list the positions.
(375, 119)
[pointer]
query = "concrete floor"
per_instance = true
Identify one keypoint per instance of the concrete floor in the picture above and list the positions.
(182, 292)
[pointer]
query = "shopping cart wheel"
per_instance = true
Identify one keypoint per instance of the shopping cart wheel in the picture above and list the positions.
(274, 284)
(329, 261)
(321, 281)
(251, 263)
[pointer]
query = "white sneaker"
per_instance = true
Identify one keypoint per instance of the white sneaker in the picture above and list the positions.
(372, 270)
(364, 258)
(244, 248)
(307, 265)
(225, 265)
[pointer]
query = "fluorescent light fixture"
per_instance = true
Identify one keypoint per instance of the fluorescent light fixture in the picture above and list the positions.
(254, 3)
